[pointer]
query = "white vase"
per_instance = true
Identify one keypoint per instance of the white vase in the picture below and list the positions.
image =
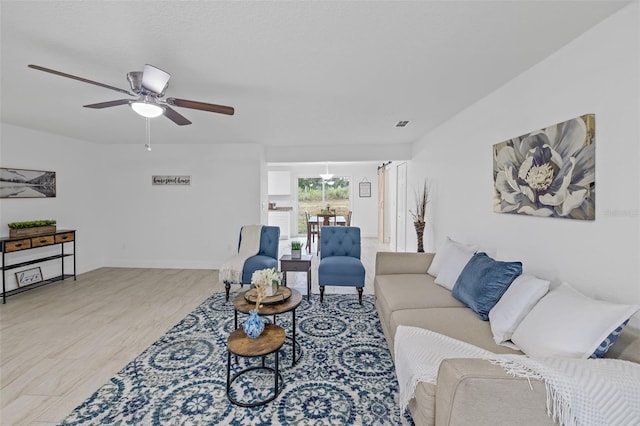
(296, 254)
(269, 290)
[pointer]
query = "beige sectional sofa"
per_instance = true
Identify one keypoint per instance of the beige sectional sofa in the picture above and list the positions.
(468, 391)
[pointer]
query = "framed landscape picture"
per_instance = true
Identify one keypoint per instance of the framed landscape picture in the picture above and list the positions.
(20, 183)
(549, 172)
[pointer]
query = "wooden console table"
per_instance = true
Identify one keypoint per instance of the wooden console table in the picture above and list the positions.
(20, 244)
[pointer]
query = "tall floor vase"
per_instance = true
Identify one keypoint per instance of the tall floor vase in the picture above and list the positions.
(420, 232)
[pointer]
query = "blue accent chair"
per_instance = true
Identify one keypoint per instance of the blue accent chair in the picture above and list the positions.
(340, 263)
(266, 258)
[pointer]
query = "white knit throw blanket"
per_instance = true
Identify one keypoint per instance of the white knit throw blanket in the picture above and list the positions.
(579, 391)
(231, 271)
(583, 392)
(418, 353)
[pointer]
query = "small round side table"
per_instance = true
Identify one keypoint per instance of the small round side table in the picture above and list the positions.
(269, 342)
(240, 304)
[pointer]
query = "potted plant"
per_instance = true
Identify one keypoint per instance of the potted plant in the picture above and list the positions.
(32, 227)
(422, 199)
(327, 210)
(296, 249)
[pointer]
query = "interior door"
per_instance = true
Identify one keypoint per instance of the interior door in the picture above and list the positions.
(401, 208)
(381, 195)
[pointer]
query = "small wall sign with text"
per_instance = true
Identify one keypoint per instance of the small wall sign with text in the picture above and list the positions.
(29, 276)
(171, 180)
(364, 189)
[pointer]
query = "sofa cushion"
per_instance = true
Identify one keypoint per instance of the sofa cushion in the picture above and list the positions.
(457, 258)
(409, 291)
(443, 253)
(566, 323)
(459, 323)
(341, 271)
(483, 281)
(521, 296)
(392, 263)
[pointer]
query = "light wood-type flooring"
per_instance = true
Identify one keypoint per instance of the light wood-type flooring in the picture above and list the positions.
(60, 343)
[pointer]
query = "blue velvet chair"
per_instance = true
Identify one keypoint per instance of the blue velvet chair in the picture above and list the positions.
(340, 263)
(266, 258)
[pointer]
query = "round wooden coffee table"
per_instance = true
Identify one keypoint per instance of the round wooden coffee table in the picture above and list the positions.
(241, 304)
(269, 342)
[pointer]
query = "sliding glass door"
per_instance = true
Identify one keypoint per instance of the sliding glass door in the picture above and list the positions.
(314, 194)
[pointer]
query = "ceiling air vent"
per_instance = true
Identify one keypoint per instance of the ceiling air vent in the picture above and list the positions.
(402, 123)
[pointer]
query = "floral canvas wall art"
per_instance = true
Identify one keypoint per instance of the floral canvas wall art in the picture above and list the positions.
(549, 172)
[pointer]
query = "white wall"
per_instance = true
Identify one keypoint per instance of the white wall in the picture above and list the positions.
(339, 153)
(105, 192)
(78, 203)
(195, 226)
(597, 73)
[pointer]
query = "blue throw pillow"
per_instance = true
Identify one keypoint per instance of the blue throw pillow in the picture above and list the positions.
(483, 281)
(608, 342)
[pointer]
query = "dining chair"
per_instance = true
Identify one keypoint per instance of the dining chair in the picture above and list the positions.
(333, 219)
(348, 220)
(312, 231)
(328, 220)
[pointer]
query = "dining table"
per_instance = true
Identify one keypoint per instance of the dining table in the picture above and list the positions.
(323, 219)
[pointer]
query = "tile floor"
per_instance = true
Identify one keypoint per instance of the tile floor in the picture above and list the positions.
(60, 343)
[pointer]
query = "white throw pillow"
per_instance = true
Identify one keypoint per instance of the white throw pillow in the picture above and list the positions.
(443, 253)
(521, 296)
(457, 258)
(566, 323)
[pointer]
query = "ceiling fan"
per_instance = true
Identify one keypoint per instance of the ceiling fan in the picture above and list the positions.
(147, 87)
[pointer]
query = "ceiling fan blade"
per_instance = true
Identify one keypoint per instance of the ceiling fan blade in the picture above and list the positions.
(155, 79)
(203, 106)
(84, 80)
(108, 104)
(174, 116)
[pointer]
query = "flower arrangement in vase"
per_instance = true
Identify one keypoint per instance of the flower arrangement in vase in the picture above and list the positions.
(266, 282)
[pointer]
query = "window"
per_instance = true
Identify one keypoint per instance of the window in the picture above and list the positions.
(314, 194)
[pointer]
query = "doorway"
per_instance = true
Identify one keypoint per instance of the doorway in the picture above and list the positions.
(381, 203)
(315, 194)
(401, 208)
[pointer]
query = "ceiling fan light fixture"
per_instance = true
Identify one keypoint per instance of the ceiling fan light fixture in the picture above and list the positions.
(155, 79)
(147, 110)
(149, 86)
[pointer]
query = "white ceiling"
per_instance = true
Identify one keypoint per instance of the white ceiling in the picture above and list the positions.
(297, 72)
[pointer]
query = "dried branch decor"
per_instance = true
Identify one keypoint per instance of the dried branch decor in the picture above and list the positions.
(422, 199)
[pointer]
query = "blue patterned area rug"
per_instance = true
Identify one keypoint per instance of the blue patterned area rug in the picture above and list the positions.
(344, 377)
